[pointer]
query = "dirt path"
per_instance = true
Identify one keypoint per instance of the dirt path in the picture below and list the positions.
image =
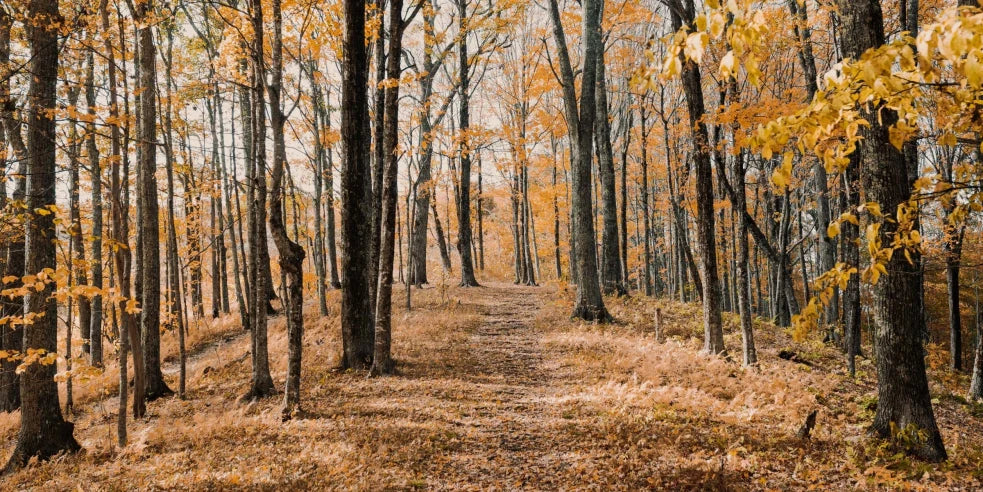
(511, 443)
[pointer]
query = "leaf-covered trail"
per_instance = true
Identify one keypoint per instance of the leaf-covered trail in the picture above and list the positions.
(510, 442)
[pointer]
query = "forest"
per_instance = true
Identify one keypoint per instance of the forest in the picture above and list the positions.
(491, 244)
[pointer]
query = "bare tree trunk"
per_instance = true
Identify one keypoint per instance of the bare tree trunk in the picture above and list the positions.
(953, 245)
(11, 337)
(356, 212)
(580, 123)
(646, 220)
(261, 384)
(624, 192)
(95, 167)
(743, 279)
(43, 431)
(382, 361)
(556, 215)
(903, 393)
(291, 253)
(445, 256)
(173, 281)
(78, 262)
(612, 280)
(850, 234)
(713, 330)
(149, 218)
(464, 199)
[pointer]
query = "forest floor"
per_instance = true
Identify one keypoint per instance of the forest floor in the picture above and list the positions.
(499, 389)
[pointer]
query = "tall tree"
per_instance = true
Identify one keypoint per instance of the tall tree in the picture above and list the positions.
(95, 168)
(356, 212)
(682, 12)
(464, 151)
(291, 253)
(612, 280)
(149, 208)
(11, 337)
(382, 361)
(43, 431)
(261, 383)
(589, 303)
(902, 385)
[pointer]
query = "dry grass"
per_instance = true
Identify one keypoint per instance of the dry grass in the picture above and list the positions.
(499, 389)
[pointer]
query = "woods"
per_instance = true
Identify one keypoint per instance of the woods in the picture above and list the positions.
(799, 181)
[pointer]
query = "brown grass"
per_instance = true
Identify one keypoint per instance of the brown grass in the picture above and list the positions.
(499, 389)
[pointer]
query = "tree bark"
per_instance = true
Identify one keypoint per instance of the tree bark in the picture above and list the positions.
(356, 212)
(589, 304)
(692, 86)
(953, 245)
(612, 281)
(149, 209)
(291, 254)
(43, 431)
(903, 394)
(261, 384)
(95, 167)
(382, 361)
(11, 337)
(464, 152)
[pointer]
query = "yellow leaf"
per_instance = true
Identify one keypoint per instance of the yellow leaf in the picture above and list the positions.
(728, 65)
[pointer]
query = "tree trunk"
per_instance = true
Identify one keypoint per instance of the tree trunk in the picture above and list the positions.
(464, 198)
(43, 431)
(11, 337)
(261, 384)
(976, 382)
(713, 330)
(743, 279)
(95, 167)
(77, 245)
(149, 216)
(953, 245)
(589, 303)
(903, 394)
(291, 253)
(624, 194)
(356, 212)
(382, 361)
(646, 218)
(612, 281)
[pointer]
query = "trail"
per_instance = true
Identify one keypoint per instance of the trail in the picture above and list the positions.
(511, 441)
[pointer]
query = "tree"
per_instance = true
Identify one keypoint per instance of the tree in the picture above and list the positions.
(43, 431)
(356, 212)
(902, 386)
(682, 13)
(464, 152)
(11, 337)
(291, 254)
(382, 361)
(612, 280)
(149, 236)
(261, 383)
(95, 168)
(589, 303)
